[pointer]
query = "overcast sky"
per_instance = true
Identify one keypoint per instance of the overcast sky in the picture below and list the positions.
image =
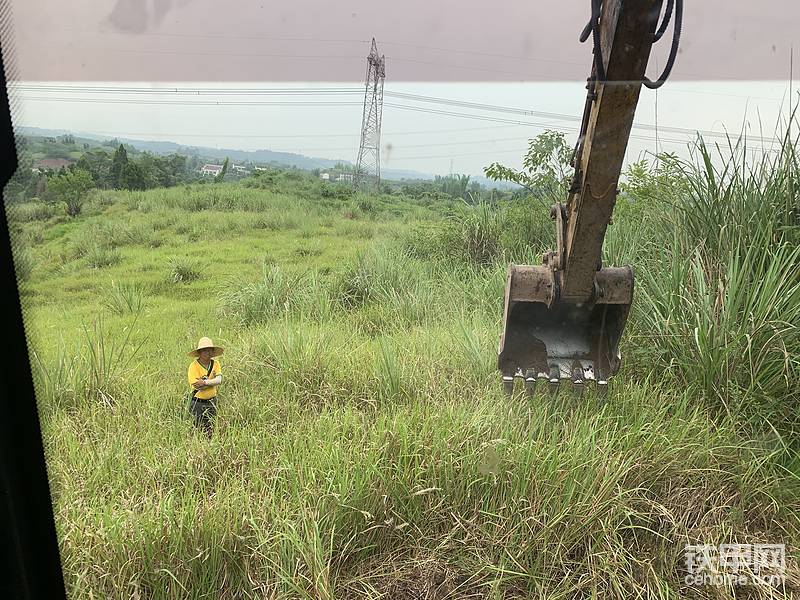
(733, 68)
(454, 138)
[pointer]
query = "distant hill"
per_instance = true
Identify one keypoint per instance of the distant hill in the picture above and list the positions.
(212, 154)
(255, 156)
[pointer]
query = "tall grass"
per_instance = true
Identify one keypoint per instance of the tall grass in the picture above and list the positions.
(123, 297)
(183, 270)
(722, 296)
(734, 330)
(22, 212)
(455, 496)
(484, 234)
(107, 358)
(363, 448)
(100, 369)
(732, 200)
(98, 256)
(24, 262)
(277, 293)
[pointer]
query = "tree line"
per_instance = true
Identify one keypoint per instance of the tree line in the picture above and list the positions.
(97, 168)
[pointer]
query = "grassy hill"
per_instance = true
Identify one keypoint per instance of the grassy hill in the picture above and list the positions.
(41, 148)
(364, 448)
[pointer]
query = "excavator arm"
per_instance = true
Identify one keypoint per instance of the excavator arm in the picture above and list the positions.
(564, 318)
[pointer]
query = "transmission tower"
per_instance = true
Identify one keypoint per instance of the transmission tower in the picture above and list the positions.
(368, 166)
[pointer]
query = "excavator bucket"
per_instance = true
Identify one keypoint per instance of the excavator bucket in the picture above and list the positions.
(544, 338)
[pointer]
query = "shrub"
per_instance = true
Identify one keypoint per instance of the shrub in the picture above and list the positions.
(33, 211)
(278, 292)
(472, 234)
(97, 256)
(722, 293)
(124, 297)
(380, 275)
(183, 270)
(23, 262)
(70, 187)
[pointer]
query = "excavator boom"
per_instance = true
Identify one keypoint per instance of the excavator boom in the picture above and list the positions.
(564, 319)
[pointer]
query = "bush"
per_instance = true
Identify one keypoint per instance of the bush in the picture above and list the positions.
(183, 270)
(124, 297)
(473, 234)
(379, 275)
(23, 212)
(721, 294)
(278, 292)
(23, 262)
(97, 256)
(87, 241)
(70, 187)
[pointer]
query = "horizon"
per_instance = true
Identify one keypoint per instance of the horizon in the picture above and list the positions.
(438, 129)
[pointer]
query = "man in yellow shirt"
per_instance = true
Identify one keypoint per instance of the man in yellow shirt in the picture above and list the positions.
(205, 376)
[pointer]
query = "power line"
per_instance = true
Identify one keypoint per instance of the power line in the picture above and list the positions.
(489, 54)
(509, 151)
(450, 66)
(267, 136)
(345, 91)
(292, 90)
(398, 106)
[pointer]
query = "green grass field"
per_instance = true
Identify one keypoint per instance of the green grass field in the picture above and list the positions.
(364, 448)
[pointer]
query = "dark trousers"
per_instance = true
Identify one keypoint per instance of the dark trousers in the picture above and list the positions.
(203, 413)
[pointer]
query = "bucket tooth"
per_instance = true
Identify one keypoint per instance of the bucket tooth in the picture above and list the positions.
(577, 381)
(508, 384)
(580, 340)
(530, 383)
(554, 379)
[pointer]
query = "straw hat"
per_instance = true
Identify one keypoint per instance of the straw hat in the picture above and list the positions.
(207, 343)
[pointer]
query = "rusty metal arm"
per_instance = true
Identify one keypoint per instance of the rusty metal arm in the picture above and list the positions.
(563, 320)
(627, 29)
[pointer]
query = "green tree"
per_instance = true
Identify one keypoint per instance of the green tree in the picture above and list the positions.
(222, 171)
(132, 177)
(453, 185)
(546, 170)
(118, 165)
(70, 187)
(177, 165)
(98, 164)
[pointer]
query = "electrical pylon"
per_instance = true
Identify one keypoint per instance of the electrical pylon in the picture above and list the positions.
(368, 166)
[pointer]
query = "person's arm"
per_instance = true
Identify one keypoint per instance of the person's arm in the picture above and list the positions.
(197, 378)
(212, 382)
(217, 379)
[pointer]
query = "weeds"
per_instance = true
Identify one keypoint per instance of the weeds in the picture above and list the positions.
(183, 270)
(107, 358)
(364, 448)
(24, 262)
(23, 212)
(98, 257)
(124, 297)
(277, 293)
